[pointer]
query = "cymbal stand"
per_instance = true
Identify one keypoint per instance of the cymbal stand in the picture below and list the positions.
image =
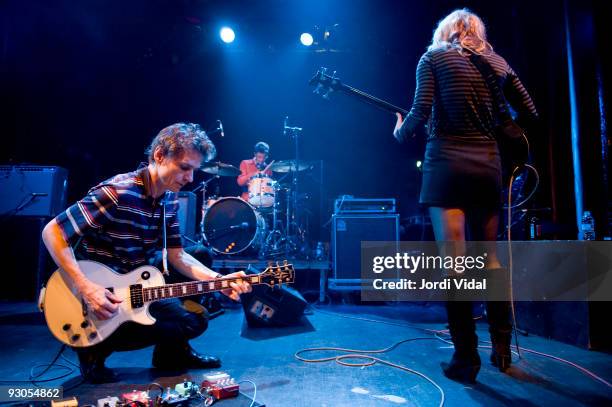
(294, 134)
(203, 186)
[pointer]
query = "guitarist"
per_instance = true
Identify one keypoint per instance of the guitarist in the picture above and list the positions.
(462, 172)
(119, 223)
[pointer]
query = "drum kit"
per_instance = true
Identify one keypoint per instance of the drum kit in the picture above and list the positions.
(267, 224)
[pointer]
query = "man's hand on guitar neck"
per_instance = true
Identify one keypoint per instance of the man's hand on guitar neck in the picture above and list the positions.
(99, 300)
(238, 287)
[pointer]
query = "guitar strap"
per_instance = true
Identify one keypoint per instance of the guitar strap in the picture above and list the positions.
(488, 74)
(165, 243)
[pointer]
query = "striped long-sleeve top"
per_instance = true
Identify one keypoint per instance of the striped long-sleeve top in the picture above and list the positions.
(452, 90)
(119, 222)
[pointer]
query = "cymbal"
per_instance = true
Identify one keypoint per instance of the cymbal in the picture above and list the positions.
(220, 169)
(290, 165)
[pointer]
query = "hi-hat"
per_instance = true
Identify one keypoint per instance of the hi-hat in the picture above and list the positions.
(290, 165)
(220, 169)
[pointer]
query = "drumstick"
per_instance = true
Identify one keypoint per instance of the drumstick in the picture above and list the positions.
(268, 166)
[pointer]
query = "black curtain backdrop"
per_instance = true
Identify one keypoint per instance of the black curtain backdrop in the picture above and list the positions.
(86, 85)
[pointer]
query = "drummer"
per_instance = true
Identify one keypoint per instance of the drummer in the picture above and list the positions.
(252, 167)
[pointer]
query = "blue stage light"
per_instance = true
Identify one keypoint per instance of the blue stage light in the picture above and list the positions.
(306, 39)
(227, 35)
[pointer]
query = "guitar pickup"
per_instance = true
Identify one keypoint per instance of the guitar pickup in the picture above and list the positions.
(136, 299)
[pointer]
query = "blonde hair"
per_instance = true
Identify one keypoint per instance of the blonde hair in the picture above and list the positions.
(461, 29)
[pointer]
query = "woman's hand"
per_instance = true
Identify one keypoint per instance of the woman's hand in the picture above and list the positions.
(398, 125)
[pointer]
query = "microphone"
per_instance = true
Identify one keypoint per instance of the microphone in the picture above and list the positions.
(221, 128)
(33, 194)
(285, 126)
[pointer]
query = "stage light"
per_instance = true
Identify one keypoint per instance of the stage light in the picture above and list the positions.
(419, 164)
(306, 39)
(227, 35)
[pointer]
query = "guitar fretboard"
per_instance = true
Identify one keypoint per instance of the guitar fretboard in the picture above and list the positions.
(150, 294)
(373, 100)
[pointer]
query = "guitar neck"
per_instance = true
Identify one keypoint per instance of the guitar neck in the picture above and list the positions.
(373, 100)
(150, 294)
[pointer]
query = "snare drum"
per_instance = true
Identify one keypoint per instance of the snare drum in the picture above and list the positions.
(261, 191)
(231, 226)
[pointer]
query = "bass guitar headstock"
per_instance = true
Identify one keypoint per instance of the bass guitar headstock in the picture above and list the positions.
(325, 83)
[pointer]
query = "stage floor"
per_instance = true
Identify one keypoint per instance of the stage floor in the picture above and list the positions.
(266, 357)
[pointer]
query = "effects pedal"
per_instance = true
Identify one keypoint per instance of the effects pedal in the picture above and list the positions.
(69, 402)
(177, 398)
(108, 402)
(136, 397)
(220, 385)
(186, 389)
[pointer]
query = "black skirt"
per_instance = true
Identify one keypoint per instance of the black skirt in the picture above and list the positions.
(461, 173)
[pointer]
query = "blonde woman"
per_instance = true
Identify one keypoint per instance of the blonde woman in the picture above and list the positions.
(462, 166)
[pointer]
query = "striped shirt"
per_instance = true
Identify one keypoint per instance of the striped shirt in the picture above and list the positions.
(119, 222)
(452, 90)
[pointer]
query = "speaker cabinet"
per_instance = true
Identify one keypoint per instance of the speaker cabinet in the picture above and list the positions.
(187, 215)
(279, 306)
(348, 231)
(27, 190)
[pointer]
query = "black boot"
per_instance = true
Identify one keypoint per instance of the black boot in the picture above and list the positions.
(465, 364)
(500, 328)
(182, 356)
(462, 369)
(93, 370)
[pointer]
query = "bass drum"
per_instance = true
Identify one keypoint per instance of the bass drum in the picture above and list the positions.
(232, 226)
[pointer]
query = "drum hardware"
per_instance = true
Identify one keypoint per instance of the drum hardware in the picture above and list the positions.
(204, 186)
(262, 191)
(231, 226)
(217, 169)
(290, 238)
(269, 222)
(220, 169)
(291, 166)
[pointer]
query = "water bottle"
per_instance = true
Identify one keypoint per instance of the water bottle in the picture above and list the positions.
(319, 253)
(587, 226)
(535, 228)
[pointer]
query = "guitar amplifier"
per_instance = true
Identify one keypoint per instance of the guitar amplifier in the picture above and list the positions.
(348, 231)
(348, 204)
(28, 190)
(187, 215)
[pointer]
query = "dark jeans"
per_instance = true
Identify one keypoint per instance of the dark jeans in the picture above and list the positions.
(175, 325)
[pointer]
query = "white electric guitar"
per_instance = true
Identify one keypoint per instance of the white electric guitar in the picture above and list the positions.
(71, 322)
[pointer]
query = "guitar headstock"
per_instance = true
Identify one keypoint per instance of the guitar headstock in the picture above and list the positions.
(278, 274)
(325, 83)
